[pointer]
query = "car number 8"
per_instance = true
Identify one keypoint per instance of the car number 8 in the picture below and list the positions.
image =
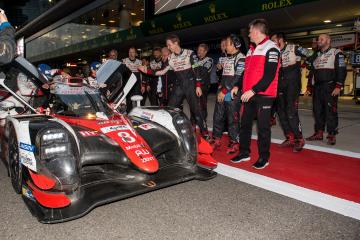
(125, 137)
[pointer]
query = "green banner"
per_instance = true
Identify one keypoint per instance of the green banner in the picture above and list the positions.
(213, 11)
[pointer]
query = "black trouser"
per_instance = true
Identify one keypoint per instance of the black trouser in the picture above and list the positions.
(202, 104)
(227, 112)
(259, 107)
(187, 90)
(152, 95)
(325, 107)
(288, 102)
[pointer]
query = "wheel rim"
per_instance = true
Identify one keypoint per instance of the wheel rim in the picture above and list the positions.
(14, 163)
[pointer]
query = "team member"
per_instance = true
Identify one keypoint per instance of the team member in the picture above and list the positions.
(205, 65)
(226, 107)
(113, 54)
(7, 42)
(329, 72)
(91, 80)
(166, 84)
(133, 64)
(188, 85)
(155, 65)
(149, 87)
(289, 87)
(259, 88)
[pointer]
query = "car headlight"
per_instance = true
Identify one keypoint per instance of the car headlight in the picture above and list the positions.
(52, 136)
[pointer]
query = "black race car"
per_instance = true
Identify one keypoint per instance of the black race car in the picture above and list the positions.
(68, 150)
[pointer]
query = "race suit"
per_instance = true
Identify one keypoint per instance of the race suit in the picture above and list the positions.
(261, 77)
(329, 69)
(152, 82)
(133, 65)
(228, 110)
(205, 66)
(289, 88)
(188, 78)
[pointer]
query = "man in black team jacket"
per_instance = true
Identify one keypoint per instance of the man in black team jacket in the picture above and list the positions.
(329, 72)
(7, 42)
(289, 87)
(227, 108)
(188, 84)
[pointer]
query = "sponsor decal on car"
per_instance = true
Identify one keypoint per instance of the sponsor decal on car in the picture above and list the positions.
(27, 159)
(149, 184)
(147, 115)
(27, 147)
(89, 133)
(110, 122)
(27, 193)
(114, 128)
(147, 126)
(135, 146)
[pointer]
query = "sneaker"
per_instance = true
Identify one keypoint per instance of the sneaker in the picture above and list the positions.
(299, 144)
(233, 147)
(317, 136)
(215, 143)
(331, 139)
(260, 163)
(288, 142)
(242, 157)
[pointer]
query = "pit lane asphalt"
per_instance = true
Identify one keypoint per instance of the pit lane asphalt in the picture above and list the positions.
(221, 208)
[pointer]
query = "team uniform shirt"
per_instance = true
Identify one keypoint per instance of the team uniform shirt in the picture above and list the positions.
(185, 67)
(329, 66)
(262, 64)
(133, 65)
(205, 66)
(233, 68)
(7, 43)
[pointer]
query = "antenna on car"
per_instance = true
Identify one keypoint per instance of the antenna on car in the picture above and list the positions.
(2, 83)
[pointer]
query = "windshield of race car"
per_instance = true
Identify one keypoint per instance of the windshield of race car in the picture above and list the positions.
(78, 101)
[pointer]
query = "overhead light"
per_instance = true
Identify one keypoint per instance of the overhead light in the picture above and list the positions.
(139, 49)
(309, 48)
(102, 24)
(79, 59)
(339, 25)
(327, 21)
(142, 9)
(88, 30)
(112, 10)
(50, 1)
(111, 21)
(82, 32)
(133, 14)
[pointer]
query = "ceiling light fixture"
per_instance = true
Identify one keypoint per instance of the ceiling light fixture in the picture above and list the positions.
(327, 21)
(111, 21)
(133, 14)
(339, 25)
(102, 24)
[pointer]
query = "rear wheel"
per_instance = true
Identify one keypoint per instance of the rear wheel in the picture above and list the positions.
(12, 155)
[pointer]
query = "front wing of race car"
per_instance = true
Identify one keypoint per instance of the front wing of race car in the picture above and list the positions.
(95, 192)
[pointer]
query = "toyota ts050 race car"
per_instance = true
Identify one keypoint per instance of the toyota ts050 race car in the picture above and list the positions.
(82, 153)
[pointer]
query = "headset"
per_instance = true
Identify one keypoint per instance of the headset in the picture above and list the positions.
(236, 40)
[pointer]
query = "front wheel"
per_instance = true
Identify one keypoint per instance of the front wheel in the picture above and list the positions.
(12, 155)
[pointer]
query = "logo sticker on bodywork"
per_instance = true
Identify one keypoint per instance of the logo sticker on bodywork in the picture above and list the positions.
(27, 147)
(114, 128)
(146, 126)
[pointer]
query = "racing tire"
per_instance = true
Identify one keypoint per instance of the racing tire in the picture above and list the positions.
(12, 155)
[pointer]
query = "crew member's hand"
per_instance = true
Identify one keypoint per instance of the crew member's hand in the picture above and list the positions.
(220, 97)
(219, 66)
(234, 92)
(198, 91)
(142, 89)
(160, 95)
(142, 69)
(336, 92)
(102, 85)
(148, 88)
(247, 95)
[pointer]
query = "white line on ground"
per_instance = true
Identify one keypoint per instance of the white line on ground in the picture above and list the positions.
(325, 201)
